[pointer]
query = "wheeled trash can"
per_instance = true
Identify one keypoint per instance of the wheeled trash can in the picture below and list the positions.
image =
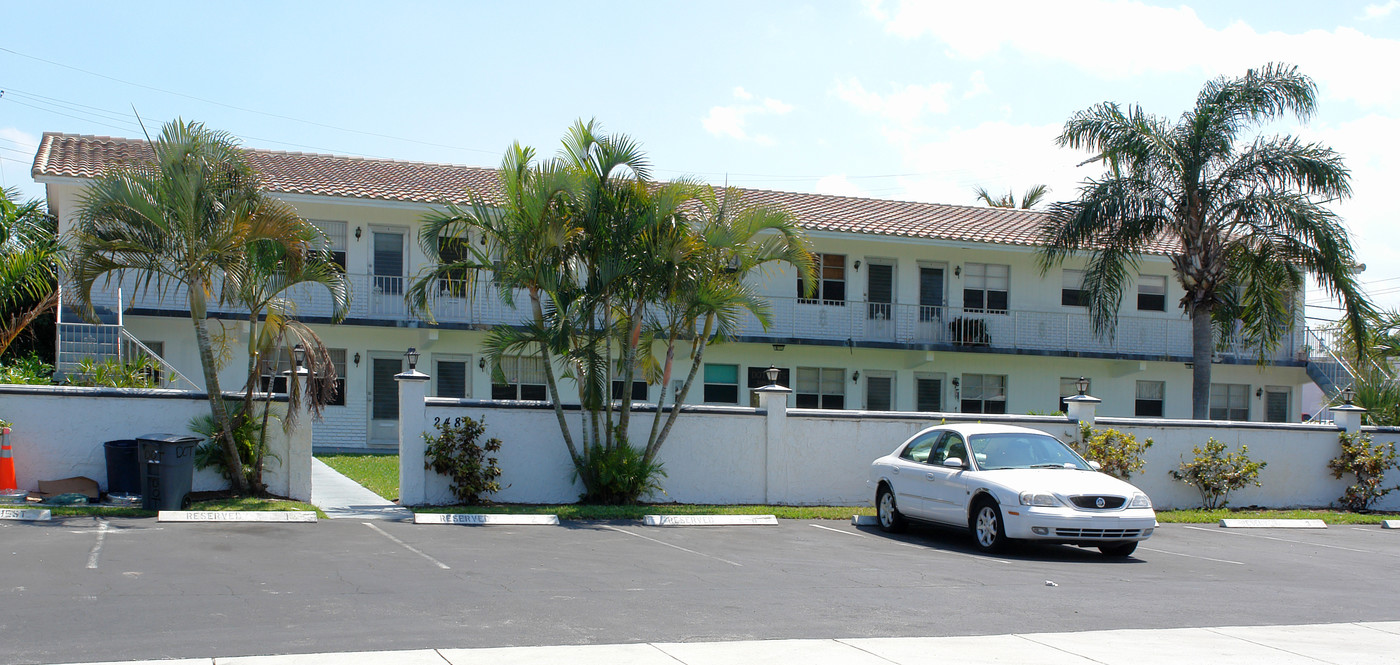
(167, 470)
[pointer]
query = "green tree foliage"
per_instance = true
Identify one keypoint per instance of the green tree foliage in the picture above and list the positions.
(623, 276)
(1215, 474)
(1368, 462)
(455, 452)
(1245, 214)
(182, 221)
(1119, 454)
(30, 259)
(1030, 199)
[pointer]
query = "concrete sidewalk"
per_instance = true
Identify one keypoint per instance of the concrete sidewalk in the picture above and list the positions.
(342, 498)
(1371, 642)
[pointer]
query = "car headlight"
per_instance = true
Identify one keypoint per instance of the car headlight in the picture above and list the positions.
(1038, 499)
(1140, 500)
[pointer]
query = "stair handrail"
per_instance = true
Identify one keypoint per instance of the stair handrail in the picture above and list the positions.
(164, 364)
(1340, 359)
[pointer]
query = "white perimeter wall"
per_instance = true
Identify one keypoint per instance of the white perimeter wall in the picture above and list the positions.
(59, 431)
(736, 456)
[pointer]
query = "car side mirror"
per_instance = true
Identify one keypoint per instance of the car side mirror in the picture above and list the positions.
(1095, 465)
(953, 462)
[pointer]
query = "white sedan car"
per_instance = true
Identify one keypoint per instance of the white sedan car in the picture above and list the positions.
(1016, 483)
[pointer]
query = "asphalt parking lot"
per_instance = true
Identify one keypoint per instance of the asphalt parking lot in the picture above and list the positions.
(81, 589)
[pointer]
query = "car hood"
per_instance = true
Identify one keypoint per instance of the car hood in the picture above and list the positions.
(1059, 481)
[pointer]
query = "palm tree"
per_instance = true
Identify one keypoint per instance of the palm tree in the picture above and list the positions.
(30, 259)
(1030, 199)
(184, 219)
(1245, 219)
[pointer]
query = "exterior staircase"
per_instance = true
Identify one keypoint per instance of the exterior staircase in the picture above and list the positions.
(103, 341)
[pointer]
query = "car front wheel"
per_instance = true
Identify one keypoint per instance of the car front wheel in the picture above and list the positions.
(890, 519)
(988, 532)
(1118, 551)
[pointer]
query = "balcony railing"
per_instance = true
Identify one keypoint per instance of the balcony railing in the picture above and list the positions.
(377, 297)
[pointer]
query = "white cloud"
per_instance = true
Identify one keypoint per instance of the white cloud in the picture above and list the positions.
(1081, 32)
(979, 84)
(1380, 11)
(838, 185)
(996, 155)
(732, 121)
(903, 106)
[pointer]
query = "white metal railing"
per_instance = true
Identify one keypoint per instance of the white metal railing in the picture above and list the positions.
(382, 298)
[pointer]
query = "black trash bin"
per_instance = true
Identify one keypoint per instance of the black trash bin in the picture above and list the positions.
(123, 468)
(167, 470)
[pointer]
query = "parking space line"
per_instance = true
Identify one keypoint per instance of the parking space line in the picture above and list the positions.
(1283, 540)
(406, 546)
(915, 546)
(102, 526)
(662, 542)
(1191, 556)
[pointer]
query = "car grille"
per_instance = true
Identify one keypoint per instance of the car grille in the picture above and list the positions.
(1091, 502)
(1097, 533)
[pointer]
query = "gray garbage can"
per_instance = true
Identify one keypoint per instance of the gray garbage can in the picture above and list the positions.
(167, 470)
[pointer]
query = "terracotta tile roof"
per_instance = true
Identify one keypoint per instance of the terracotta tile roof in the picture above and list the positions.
(74, 156)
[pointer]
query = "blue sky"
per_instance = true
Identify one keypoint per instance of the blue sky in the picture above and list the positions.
(919, 101)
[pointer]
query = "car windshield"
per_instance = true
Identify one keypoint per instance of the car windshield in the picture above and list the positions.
(1023, 451)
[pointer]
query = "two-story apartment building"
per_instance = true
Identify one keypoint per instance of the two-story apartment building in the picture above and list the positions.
(919, 307)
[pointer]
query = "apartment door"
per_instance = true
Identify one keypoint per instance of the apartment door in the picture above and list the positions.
(879, 392)
(383, 397)
(387, 266)
(931, 302)
(879, 297)
(1276, 404)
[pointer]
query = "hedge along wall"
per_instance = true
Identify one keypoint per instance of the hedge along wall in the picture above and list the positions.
(59, 431)
(735, 455)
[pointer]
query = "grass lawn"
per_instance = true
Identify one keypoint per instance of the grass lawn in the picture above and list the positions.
(378, 473)
(212, 504)
(1199, 516)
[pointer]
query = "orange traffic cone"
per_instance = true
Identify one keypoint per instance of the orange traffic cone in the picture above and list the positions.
(7, 463)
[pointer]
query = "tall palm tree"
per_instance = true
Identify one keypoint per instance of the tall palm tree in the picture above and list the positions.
(30, 259)
(182, 220)
(1030, 199)
(1246, 219)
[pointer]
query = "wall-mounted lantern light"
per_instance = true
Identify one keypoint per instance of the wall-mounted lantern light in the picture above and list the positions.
(358, 231)
(779, 347)
(482, 364)
(357, 358)
(855, 378)
(957, 271)
(857, 265)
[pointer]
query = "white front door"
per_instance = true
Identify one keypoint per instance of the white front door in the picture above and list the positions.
(383, 397)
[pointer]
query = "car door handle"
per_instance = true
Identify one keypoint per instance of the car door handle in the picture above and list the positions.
(894, 470)
(930, 475)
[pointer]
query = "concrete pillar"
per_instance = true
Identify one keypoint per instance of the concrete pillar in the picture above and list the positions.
(413, 422)
(297, 459)
(1081, 408)
(772, 402)
(1348, 417)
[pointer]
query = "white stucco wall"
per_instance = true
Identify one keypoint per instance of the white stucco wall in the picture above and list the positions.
(59, 431)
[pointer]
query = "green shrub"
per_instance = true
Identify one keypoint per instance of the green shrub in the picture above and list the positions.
(1118, 454)
(27, 370)
(246, 435)
(619, 475)
(1215, 474)
(1369, 462)
(110, 373)
(454, 453)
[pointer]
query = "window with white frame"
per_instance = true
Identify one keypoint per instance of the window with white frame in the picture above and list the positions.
(986, 287)
(721, 384)
(452, 376)
(639, 387)
(831, 281)
(1152, 293)
(1229, 401)
(820, 388)
(335, 239)
(983, 393)
(1069, 387)
(1072, 289)
(1150, 401)
(525, 379)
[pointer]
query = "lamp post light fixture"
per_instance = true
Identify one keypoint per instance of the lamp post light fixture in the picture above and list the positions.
(772, 374)
(412, 355)
(1348, 394)
(299, 353)
(1082, 384)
